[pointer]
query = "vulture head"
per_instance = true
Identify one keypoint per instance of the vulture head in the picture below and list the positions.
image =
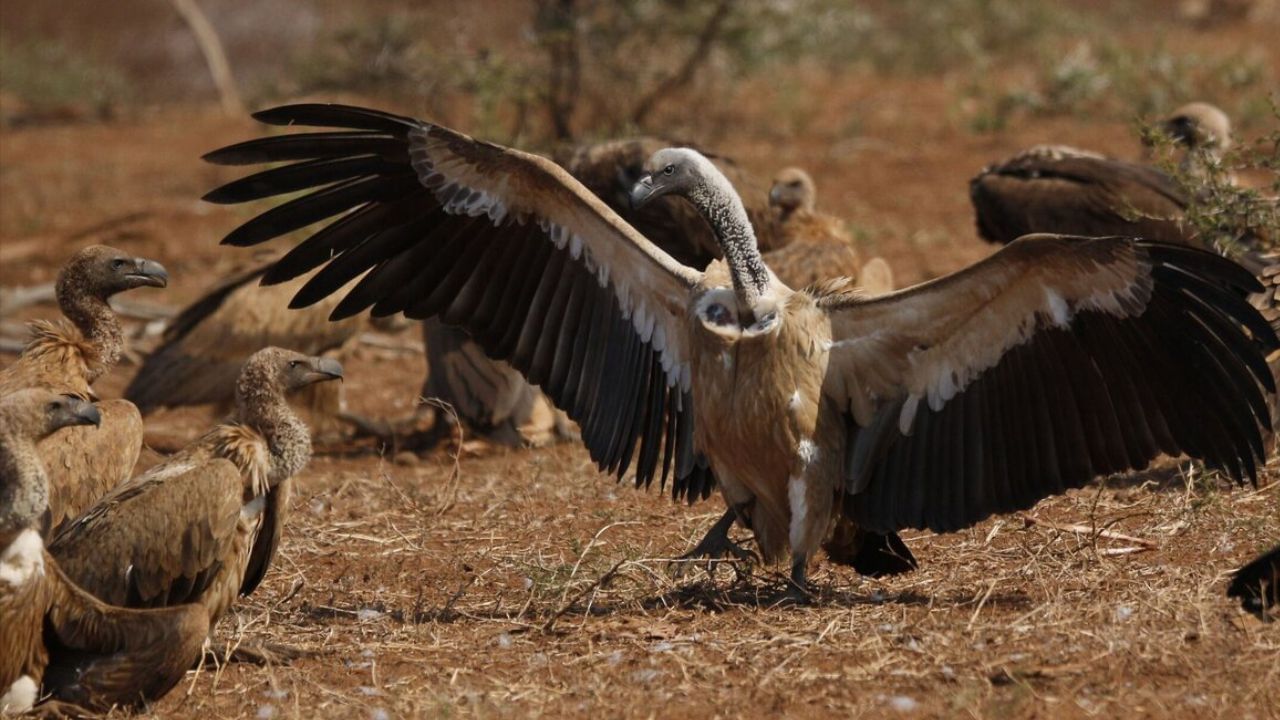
(36, 413)
(792, 190)
(676, 171)
(100, 271)
(1199, 125)
(284, 371)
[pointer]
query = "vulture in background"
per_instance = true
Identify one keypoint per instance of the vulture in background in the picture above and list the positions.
(815, 246)
(67, 357)
(205, 346)
(1257, 585)
(1024, 375)
(204, 525)
(56, 640)
(1060, 189)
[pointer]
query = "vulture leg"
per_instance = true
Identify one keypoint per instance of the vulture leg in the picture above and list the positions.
(257, 654)
(716, 544)
(798, 592)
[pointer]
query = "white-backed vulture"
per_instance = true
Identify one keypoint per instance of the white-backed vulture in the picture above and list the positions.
(55, 639)
(206, 344)
(1031, 372)
(204, 525)
(1257, 585)
(67, 357)
(491, 397)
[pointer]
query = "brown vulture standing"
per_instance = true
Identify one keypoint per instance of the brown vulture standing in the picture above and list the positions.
(815, 246)
(207, 343)
(204, 525)
(67, 357)
(1029, 373)
(55, 639)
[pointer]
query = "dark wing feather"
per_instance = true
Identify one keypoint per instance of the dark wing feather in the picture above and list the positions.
(436, 222)
(1054, 361)
(1257, 584)
(1076, 194)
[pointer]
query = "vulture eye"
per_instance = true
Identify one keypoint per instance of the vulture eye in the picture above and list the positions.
(669, 170)
(117, 264)
(295, 363)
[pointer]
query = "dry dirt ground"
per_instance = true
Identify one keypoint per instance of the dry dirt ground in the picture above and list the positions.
(523, 583)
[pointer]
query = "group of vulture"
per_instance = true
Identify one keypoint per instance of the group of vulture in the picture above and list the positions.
(688, 325)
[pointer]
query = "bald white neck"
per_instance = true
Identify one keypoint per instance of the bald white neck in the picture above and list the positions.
(720, 204)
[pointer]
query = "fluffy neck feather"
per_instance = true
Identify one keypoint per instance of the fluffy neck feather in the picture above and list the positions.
(717, 201)
(95, 320)
(24, 492)
(265, 410)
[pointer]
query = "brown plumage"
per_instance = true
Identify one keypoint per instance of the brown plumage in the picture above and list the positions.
(1029, 373)
(207, 343)
(55, 639)
(204, 525)
(67, 357)
(1060, 189)
(815, 247)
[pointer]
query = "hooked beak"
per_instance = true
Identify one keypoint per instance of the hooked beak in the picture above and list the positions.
(149, 273)
(642, 192)
(83, 412)
(325, 369)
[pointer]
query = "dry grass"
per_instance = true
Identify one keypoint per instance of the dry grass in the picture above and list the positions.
(511, 583)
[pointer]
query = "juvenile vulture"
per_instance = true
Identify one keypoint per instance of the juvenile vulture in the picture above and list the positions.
(1060, 189)
(1031, 372)
(207, 343)
(67, 357)
(55, 639)
(1257, 584)
(816, 246)
(204, 525)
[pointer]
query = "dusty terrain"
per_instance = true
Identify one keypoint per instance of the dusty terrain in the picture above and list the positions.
(489, 582)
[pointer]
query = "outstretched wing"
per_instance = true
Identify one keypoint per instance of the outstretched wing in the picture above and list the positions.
(1056, 360)
(1055, 190)
(505, 244)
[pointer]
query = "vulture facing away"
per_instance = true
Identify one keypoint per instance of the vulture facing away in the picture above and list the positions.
(1029, 373)
(1060, 189)
(204, 525)
(56, 640)
(67, 357)
(206, 344)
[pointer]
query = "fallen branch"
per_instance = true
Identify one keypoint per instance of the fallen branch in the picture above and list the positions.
(1091, 532)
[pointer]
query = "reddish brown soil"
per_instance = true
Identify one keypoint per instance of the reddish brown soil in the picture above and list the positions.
(433, 588)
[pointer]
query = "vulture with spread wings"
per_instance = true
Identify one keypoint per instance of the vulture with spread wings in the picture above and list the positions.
(1053, 361)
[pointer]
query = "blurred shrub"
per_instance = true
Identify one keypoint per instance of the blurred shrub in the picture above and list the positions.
(44, 80)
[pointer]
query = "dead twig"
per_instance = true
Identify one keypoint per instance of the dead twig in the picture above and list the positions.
(1143, 543)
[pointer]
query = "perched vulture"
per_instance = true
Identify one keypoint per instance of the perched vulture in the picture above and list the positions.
(207, 343)
(56, 640)
(204, 525)
(1029, 373)
(816, 247)
(1257, 584)
(1060, 189)
(67, 357)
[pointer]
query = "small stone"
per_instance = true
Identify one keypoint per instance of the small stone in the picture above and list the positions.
(902, 703)
(266, 712)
